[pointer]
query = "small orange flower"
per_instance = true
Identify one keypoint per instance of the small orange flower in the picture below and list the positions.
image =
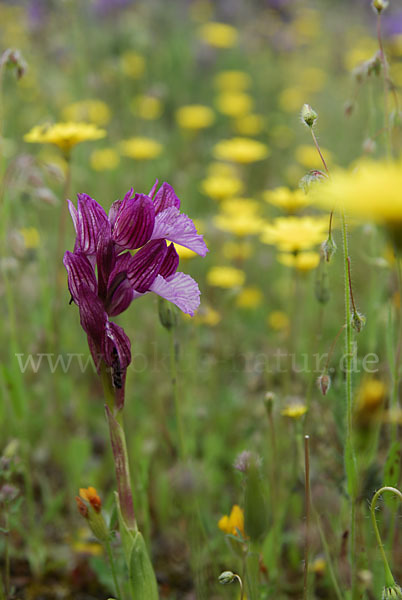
(234, 523)
(90, 495)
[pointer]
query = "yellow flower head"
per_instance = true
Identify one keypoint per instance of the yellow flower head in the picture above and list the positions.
(302, 261)
(372, 191)
(64, 135)
(289, 200)
(93, 111)
(91, 496)
(232, 80)
(241, 224)
(234, 104)
(250, 297)
(105, 159)
(251, 124)
(195, 116)
(225, 277)
(221, 186)
(234, 523)
(278, 320)
(146, 107)
(241, 150)
(141, 148)
(218, 35)
(293, 234)
(234, 206)
(132, 64)
(294, 410)
(31, 237)
(206, 315)
(370, 400)
(309, 158)
(238, 250)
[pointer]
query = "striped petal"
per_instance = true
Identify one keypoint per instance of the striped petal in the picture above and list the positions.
(88, 220)
(181, 289)
(134, 222)
(145, 265)
(165, 197)
(179, 228)
(79, 271)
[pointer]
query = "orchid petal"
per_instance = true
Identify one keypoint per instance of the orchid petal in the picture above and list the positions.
(90, 218)
(79, 271)
(135, 221)
(145, 265)
(181, 289)
(170, 263)
(165, 198)
(179, 228)
(116, 339)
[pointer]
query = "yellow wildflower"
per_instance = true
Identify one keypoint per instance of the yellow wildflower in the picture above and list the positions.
(195, 116)
(221, 169)
(291, 98)
(141, 148)
(90, 495)
(363, 49)
(237, 251)
(105, 159)
(370, 401)
(371, 191)
(250, 297)
(240, 224)
(302, 261)
(232, 80)
(319, 565)
(218, 35)
(64, 135)
(91, 548)
(219, 187)
(308, 157)
(292, 234)
(234, 104)
(278, 320)
(251, 124)
(234, 523)
(225, 277)
(146, 107)
(184, 253)
(31, 237)
(132, 64)
(241, 150)
(294, 410)
(207, 315)
(289, 200)
(235, 206)
(93, 111)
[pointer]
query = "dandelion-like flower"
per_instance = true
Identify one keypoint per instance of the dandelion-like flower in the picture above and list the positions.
(64, 135)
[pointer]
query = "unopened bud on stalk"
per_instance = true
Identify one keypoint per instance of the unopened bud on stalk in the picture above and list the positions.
(380, 5)
(269, 401)
(392, 593)
(227, 577)
(312, 177)
(324, 383)
(308, 115)
(358, 321)
(91, 511)
(13, 60)
(167, 314)
(328, 248)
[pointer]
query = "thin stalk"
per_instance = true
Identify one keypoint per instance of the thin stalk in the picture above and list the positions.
(384, 62)
(241, 587)
(328, 559)
(389, 579)
(177, 405)
(113, 570)
(316, 144)
(307, 508)
(397, 364)
(6, 556)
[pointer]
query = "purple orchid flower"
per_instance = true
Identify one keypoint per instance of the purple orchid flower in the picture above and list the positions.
(104, 276)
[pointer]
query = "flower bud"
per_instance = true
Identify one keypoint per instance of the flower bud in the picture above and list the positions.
(269, 401)
(393, 592)
(312, 177)
(167, 314)
(328, 248)
(380, 5)
(227, 577)
(13, 60)
(321, 287)
(324, 383)
(358, 321)
(308, 115)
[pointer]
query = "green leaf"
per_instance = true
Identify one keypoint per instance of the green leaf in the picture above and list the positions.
(142, 576)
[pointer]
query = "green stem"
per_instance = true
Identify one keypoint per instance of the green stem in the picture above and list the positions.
(113, 570)
(385, 70)
(389, 579)
(307, 509)
(6, 556)
(177, 405)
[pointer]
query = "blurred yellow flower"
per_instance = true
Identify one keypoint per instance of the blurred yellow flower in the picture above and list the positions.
(234, 206)
(251, 124)
(241, 150)
(362, 49)
(225, 277)
(132, 64)
(307, 25)
(219, 187)
(146, 107)
(292, 98)
(371, 397)
(370, 191)
(278, 320)
(218, 35)
(184, 253)
(234, 523)
(93, 111)
(250, 297)
(312, 78)
(308, 156)
(234, 104)
(91, 548)
(206, 315)
(64, 135)
(239, 250)
(302, 261)
(289, 200)
(141, 148)
(105, 159)
(31, 237)
(241, 224)
(221, 169)
(319, 565)
(232, 80)
(294, 410)
(195, 116)
(292, 234)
